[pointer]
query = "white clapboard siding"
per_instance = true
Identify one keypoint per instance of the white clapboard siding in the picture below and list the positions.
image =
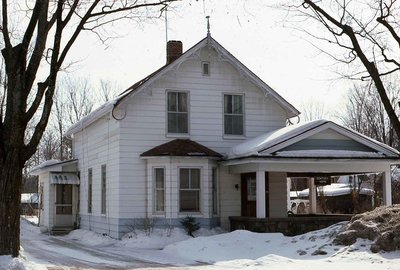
(120, 143)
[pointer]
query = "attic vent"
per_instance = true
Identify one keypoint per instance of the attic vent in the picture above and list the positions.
(206, 68)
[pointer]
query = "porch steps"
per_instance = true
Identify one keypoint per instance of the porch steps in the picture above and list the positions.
(61, 230)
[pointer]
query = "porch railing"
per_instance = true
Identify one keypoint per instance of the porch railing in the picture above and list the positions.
(292, 225)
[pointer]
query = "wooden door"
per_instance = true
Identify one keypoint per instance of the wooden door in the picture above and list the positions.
(248, 194)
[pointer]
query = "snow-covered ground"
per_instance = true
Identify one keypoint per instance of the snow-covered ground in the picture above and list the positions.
(210, 250)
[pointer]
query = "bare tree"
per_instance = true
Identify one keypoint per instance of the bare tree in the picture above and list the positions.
(39, 44)
(312, 110)
(365, 112)
(361, 34)
(108, 90)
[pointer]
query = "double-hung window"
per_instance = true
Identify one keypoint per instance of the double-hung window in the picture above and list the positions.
(178, 114)
(159, 190)
(233, 115)
(189, 190)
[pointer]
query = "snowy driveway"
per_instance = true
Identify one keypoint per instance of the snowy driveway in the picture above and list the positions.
(236, 250)
(42, 251)
(56, 251)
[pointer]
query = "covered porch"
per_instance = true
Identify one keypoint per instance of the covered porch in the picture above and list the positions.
(312, 150)
(59, 195)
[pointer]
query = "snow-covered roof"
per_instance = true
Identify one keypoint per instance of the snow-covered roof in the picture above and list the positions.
(336, 189)
(48, 164)
(270, 144)
(142, 84)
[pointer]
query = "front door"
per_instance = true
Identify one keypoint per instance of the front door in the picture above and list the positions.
(248, 193)
(63, 217)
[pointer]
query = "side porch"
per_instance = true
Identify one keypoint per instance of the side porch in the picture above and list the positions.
(265, 192)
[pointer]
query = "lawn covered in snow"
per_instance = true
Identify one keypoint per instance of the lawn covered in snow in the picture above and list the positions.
(209, 250)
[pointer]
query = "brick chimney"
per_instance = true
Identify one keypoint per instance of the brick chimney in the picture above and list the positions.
(174, 50)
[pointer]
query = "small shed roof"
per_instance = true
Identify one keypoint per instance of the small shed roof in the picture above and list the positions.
(181, 147)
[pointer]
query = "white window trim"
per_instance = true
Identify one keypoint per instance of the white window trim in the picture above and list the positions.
(177, 135)
(155, 212)
(232, 136)
(194, 213)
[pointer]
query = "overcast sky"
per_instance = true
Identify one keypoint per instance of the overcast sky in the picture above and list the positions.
(253, 32)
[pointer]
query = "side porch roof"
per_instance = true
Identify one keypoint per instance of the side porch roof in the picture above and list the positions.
(316, 146)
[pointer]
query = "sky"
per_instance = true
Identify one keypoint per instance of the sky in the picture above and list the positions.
(255, 33)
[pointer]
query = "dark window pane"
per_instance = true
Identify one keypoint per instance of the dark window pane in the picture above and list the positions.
(184, 179)
(172, 106)
(64, 194)
(189, 201)
(160, 201)
(182, 102)
(227, 104)
(195, 178)
(90, 190)
(103, 189)
(159, 177)
(233, 124)
(177, 123)
(237, 104)
(64, 210)
(214, 191)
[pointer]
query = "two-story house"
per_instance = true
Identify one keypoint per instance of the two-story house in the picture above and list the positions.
(201, 136)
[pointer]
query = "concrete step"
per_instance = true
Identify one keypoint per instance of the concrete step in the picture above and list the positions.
(61, 230)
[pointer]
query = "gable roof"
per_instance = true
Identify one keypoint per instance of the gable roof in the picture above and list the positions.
(148, 80)
(181, 147)
(277, 143)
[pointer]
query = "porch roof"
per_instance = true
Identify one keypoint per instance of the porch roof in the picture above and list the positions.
(53, 165)
(319, 139)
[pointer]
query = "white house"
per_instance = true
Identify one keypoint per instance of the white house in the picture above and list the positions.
(201, 136)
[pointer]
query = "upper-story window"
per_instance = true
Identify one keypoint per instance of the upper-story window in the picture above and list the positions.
(178, 115)
(233, 115)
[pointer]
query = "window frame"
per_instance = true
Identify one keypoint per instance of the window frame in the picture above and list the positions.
(155, 189)
(103, 182)
(179, 134)
(90, 191)
(199, 189)
(243, 114)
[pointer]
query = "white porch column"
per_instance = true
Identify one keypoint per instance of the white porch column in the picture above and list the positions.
(260, 194)
(387, 188)
(312, 195)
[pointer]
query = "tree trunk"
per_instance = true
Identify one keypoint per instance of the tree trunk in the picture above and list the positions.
(10, 203)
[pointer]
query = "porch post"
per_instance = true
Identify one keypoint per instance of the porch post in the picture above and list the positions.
(387, 188)
(260, 194)
(312, 196)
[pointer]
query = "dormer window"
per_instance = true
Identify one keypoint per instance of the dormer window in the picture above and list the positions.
(178, 115)
(206, 68)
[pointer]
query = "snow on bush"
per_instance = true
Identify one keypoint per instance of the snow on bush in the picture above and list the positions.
(381, 225)
(9, 263)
